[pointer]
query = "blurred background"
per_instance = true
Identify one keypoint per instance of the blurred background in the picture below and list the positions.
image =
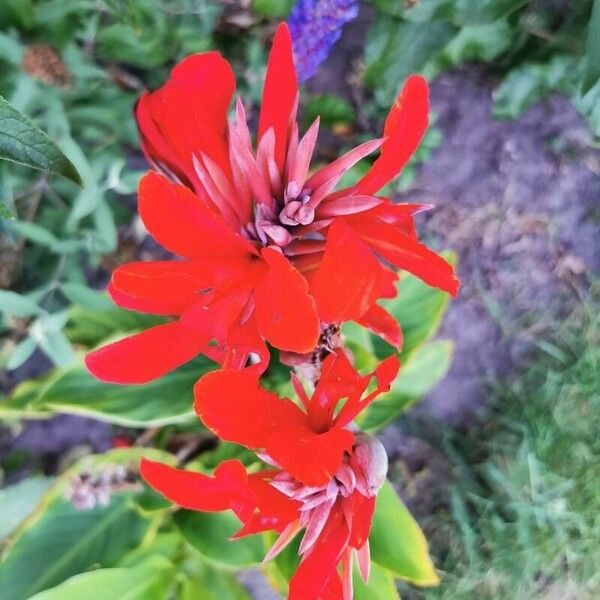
(500, 462)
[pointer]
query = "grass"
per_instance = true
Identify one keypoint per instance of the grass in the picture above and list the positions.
(523, 518)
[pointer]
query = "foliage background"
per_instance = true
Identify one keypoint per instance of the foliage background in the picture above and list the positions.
(499, 462)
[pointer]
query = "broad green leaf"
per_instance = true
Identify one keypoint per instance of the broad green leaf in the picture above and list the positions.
(475, 42)
(90, 327)
(381, 585)
(423, 370)
(167, 545)
(18, 500)
(163, 401)
(419, 309)
(23, 142)
(209, 533)
(397, 542)
(151, 580)
(60, 541)
(204, 581)
(57, 541)
(17, 305)
(396, 48)
(591, 73)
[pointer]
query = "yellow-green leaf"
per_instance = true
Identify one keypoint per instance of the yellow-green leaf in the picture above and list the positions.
(151, 580)
(397, 542)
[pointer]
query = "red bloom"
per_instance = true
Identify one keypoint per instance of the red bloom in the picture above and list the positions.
(271, 251)
(324, 478)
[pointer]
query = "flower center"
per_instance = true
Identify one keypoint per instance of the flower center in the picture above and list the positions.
(363, 471)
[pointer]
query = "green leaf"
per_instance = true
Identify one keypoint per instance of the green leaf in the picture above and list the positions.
(57, 541)
(397, 542)
(528, 83)
(423, 370)
(35, 233)
(381, 585)
(17, 305)
(5, 212)
(475, 42)
(209, 534)
(396, 48)
(75, 541)
(207, 582)
(273, 9)
(151, 580)
(591, 73)
(138, 46)
(419, 309)
(330, 108)
(56, 346)
(74, 391)
(90, 327)
(18, 500)
(85, 297)
(21, 141)
(21, 352)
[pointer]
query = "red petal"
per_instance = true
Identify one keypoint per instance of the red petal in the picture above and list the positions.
(196, 491)
(405, 252)
(279, 93)
(404, 128)
(381, 323)
(385, 374)
(190, 110)
(162, 287)
(234, 407)
(285, 313)
(155, 146)
(312, 458)
(146, 356)
(349, 280)
(338, 380)
(334, 589)
(362, 516)
(315, 571)
(179, 221)
(244, 341)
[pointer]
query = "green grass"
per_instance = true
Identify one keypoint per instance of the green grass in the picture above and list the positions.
(524, 514)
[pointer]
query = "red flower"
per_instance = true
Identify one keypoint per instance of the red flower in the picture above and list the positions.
(271, 252)
(324, 478)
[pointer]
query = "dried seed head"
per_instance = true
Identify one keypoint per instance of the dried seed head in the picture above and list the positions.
(42, 62)
(86, 490)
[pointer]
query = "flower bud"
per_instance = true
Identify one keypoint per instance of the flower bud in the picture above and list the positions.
(369, 463)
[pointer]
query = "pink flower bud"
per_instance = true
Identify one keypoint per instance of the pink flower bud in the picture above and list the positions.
(369, 463)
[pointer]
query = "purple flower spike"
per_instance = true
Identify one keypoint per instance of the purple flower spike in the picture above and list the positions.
(316, 25)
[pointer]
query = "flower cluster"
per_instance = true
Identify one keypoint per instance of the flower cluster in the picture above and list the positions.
(323, 478)
(272, 251)
(316, 25)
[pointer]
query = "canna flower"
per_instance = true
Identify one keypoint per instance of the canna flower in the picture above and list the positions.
(271, 251)
(322, 477)
(316, 25)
